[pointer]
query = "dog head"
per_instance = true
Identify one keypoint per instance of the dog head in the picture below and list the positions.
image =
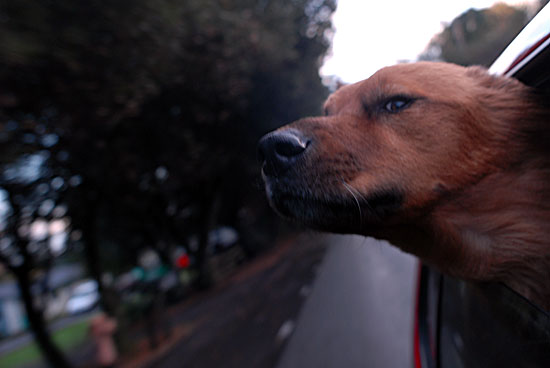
(391, 147)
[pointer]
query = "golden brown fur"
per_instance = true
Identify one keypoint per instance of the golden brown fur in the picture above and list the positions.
(459, 176)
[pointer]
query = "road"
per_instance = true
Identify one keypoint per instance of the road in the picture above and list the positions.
(359, 312)
(303, 306)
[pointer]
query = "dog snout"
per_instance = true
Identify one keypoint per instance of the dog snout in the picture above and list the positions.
(279, 150)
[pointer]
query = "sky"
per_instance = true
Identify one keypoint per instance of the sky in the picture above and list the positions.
(372, 34)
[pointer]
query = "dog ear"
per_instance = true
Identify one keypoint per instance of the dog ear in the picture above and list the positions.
(340, 83)
(525, 110)
(494, 82)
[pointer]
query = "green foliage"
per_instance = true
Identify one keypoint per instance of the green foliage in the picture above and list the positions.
(158, 105)
(145, 116)
(477, 37)
(67, 338)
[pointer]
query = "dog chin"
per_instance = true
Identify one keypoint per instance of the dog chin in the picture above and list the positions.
(340, 215)
(316, 215)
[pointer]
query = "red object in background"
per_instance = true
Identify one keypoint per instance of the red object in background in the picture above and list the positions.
(183, 261)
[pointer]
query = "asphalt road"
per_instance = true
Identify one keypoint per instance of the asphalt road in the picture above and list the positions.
(359, 312)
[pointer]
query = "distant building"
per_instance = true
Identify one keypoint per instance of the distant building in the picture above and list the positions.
(12, 313)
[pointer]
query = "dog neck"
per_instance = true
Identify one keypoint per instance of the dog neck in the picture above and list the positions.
(498, 230)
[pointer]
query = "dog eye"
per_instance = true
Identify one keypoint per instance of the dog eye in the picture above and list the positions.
(397, 104)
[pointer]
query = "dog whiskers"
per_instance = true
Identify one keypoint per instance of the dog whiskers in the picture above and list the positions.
(351, 190)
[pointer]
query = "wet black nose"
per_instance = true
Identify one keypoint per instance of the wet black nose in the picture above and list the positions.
(279, 150)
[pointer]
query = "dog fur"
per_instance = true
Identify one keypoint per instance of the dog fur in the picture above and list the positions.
(449, 163)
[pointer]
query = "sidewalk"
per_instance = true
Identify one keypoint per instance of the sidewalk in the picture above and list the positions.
(246, 321)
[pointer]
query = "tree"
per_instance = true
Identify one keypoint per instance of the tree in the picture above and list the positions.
(158, 107)
(477, 37)
(33, 225)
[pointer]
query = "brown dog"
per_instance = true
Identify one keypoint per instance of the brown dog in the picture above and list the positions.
(446, 162)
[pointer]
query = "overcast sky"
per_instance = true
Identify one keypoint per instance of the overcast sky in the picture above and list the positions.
(373, 34)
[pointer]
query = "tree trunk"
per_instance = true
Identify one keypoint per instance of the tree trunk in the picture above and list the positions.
(210, 207)
(88, 225)
(53, 356)
(51, 353)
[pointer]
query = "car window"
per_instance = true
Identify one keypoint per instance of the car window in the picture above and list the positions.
(488, 325)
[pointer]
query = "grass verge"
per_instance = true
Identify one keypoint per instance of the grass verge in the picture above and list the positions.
(65, 338)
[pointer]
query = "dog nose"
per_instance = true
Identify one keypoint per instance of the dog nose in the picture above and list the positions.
(277, 151)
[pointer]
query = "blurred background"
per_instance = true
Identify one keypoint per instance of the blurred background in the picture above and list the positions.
(134, 230)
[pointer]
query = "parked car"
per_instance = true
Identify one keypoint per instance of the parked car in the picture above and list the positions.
(85, 296)
(466, 324)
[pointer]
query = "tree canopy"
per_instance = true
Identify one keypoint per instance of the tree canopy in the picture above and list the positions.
(142, 116)
(477, 37)
(156, 103)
